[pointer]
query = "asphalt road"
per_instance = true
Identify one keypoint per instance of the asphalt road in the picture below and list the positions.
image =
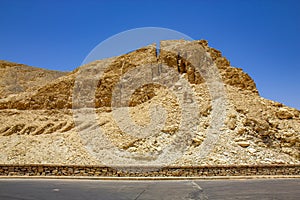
(17, 189)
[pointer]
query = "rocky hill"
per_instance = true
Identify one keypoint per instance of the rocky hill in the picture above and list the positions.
(17, 78)
(79, 117)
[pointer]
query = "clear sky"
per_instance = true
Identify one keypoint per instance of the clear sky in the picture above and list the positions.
(259, 36)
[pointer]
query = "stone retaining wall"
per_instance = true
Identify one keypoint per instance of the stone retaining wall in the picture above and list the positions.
(103, 171)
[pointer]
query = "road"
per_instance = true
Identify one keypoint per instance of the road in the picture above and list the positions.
(40, 189)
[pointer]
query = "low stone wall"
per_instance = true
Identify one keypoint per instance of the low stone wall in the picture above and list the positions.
(103, 171)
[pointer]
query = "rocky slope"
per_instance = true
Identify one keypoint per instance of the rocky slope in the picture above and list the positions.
(16, 78)
(46, 119)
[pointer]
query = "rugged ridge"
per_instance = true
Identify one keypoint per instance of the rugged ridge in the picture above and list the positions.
(59, 92)
(37, 126)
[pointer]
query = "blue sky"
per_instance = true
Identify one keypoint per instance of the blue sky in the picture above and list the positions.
(261, 37)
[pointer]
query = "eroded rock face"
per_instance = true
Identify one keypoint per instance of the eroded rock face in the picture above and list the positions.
(36, 111)
(58, 94)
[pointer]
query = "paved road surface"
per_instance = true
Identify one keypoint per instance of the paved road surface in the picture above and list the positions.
(17, 189)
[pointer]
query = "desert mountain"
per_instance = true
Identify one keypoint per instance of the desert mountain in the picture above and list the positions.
(41, 111)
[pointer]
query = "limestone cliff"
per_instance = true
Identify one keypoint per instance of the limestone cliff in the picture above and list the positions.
(37, 124)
